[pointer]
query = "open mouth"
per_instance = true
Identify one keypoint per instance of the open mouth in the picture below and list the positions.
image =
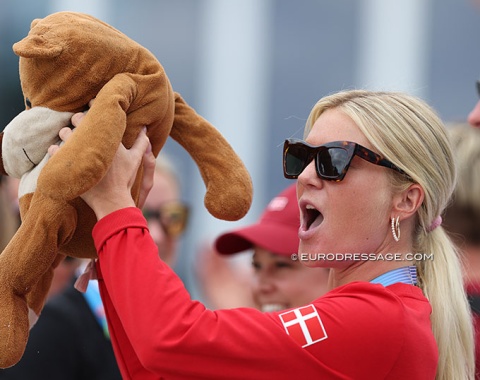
(312, 217)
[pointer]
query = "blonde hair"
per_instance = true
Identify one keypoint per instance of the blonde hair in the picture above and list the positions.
(462, 217)
(466, 146)
(408, 132)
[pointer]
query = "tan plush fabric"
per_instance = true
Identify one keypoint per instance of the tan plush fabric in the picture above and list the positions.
(66, 60)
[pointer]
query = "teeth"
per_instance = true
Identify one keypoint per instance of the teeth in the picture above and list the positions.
(268, 308)
(310, 207)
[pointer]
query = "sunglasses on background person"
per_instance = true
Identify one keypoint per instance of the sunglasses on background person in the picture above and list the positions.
(332, 160)
(172, 216)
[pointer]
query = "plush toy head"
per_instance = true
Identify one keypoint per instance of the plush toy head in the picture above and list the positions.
(66, 60)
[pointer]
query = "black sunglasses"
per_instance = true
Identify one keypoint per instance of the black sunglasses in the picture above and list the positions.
(331, 160)
(172, 216)
(478, 87)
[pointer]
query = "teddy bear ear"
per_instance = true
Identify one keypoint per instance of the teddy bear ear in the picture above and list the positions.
(34, 46)
(34, 22)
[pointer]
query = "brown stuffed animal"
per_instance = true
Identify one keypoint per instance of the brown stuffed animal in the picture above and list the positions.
(66, 60)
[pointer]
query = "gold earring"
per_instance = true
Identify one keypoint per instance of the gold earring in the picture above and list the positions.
(396, 228)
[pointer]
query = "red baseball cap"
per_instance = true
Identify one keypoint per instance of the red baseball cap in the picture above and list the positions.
(276, 231)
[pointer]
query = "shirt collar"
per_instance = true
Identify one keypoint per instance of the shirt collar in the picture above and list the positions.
(407, 275)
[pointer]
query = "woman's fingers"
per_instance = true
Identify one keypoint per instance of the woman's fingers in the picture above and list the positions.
(138, 151)
(52, 149)
(77, 118)
(148, 176)
(64, 134)
(141, 144)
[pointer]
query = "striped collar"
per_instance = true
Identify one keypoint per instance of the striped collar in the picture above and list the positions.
(407, 275)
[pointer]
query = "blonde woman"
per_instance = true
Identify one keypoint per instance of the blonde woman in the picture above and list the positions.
(375, 172)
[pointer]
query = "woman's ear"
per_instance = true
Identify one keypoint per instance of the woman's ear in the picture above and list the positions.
(407, 202)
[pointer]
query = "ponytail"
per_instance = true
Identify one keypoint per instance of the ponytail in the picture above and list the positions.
(441, 282)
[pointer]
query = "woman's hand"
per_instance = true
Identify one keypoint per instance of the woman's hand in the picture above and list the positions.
(113, 192)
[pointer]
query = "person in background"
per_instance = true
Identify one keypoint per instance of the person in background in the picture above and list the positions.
(462, 217)
(166, 214)
(71, 338)
(278, 281)
(63, 275)
(224, 281)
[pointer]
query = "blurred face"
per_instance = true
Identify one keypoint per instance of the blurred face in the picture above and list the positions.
(164, 190)
(350, 216)
(63, 275)
(281, 283)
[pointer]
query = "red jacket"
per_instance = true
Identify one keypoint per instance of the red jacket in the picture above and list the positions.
(357, 331)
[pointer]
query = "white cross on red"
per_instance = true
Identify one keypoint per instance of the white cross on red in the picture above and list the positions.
(304, 325)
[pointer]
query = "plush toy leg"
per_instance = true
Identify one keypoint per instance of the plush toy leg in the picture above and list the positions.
(229, 187)
(36, 297)
(13, 327)
(24, 263)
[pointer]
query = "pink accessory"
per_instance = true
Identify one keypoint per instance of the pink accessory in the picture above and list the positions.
(436, 222)
(90, 273)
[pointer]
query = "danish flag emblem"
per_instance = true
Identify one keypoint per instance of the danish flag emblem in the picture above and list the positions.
(304, 325)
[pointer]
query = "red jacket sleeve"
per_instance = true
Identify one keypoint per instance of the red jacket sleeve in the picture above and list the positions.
(170, 334)
(159, 331)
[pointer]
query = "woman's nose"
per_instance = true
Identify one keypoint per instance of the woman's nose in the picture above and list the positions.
(309, 176)
(263, 284)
